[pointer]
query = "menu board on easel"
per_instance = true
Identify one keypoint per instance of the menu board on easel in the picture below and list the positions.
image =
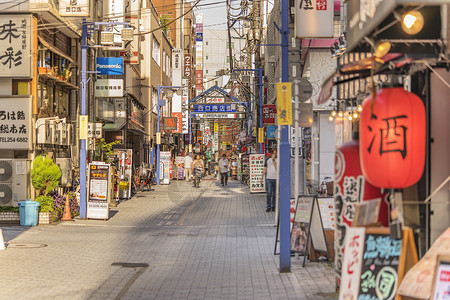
(374, 264)
(300, 226)
(98, 191)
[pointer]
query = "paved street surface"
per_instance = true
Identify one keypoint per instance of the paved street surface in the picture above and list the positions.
(177, 242)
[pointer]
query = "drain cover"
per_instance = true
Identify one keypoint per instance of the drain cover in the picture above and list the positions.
(130, 265)
(27, 245)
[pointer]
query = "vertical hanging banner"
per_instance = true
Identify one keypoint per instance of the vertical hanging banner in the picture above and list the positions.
(15, 46)
(314, 18)
(176, 67)
(199, 54)
(177, 111)
(256, 169)
(284, 103)
(185, 111)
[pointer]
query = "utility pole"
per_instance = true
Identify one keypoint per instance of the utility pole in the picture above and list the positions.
(285, 167)
(230, 52)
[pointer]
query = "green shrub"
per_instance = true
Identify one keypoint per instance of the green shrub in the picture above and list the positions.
(46, 203)
(45, 175)
(9, 209)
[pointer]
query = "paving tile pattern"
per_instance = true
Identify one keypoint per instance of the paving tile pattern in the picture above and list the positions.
(209, 243)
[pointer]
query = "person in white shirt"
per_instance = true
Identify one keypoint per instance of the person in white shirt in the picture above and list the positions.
(223, 167)
(187, 168)
(270, 171)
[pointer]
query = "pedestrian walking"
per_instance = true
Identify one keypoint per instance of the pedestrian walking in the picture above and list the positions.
(187, 167)
(223, 167)
(198, 167)
(270, 172)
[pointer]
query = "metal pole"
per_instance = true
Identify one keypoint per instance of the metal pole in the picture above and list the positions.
(84, 47)
(157, 144)
(285, 168)
(260, 72)
(296, 149)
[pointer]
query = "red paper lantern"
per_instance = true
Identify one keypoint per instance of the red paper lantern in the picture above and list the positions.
(392, 138)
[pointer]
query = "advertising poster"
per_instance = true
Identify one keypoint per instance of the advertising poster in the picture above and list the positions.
(284, 103)
(327, 212)
(300, 222)
(15, 123)
(165, 167)
(125, 172)
(256, 170)
(97, 202)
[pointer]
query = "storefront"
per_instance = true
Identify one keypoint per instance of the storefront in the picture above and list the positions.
(396, 44)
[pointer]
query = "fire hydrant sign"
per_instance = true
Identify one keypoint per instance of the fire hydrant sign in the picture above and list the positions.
(97, 202)
(256, 169)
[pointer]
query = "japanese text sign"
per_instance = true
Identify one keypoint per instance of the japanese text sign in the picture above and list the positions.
(15, 123)
(284, 103)
(15, 45)
(170, 123)
(256, 170)
(314, 18)
(97, 202)
(187, 65)
(109, 88)
(70, 8)
(269, 113)
(199, 108)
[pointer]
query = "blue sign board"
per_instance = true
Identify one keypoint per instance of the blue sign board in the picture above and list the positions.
(214, 108)
(271, 132)
(110, 65)
(199, 37)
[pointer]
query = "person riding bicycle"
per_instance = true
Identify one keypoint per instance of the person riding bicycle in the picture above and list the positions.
(197, 167)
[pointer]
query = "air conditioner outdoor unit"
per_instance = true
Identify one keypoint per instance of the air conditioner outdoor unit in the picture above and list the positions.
(62, 129)
(69, 134)
(54, 134)
(43, 131)
(65, 165)
(13, 181)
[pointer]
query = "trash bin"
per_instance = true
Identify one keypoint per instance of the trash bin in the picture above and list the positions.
(28, 211)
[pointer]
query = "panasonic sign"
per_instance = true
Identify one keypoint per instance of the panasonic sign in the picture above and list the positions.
(109, 65)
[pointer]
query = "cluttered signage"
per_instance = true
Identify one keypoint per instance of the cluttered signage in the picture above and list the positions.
(170, 123)
(109, 88)
(257, 184)
(219, 116)
(74, 8)
(269, 113)
(200, 108)
(15, 123)
(97, 202)
(314, 18)
(109, 65)
(15, 46)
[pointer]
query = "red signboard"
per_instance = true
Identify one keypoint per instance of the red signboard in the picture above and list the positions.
(178, 117)
(199, 79)
(269, 113)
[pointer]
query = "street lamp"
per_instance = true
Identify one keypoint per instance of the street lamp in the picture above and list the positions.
(87, 30)
(160, 103)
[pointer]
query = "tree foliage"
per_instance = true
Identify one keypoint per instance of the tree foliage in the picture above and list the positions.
(45, 175)
(104, 150)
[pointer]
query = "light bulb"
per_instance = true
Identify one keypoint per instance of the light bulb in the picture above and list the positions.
(330, 118)
(340, 114)
(350, 117)
(355, 115)
(412, 22)
(359, 108)
(334, 113)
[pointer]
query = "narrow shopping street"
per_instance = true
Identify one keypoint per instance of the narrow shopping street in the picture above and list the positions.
(176, 242)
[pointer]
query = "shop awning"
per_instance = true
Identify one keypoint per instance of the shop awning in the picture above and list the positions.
(54, 49)
(362, 68)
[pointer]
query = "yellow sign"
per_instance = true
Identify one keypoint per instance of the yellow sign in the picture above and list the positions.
(284, 103)
(158, 138)
(83, 127)
(190, 147)
(260, 135)
(216, 127)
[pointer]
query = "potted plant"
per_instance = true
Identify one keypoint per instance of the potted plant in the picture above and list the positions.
(45, 176)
